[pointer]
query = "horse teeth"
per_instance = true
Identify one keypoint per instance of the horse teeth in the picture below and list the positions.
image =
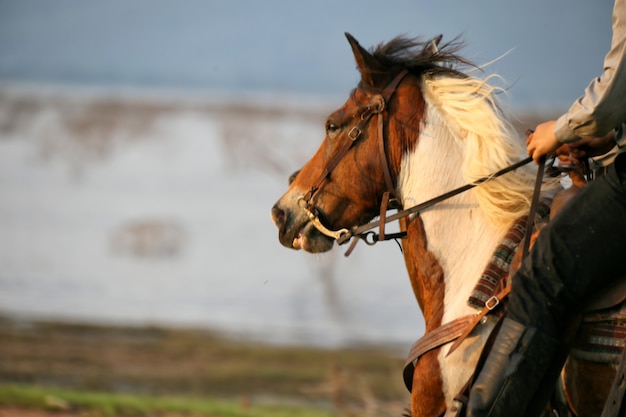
(297, 241)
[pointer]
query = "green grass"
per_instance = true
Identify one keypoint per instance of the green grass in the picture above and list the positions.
(116, 405)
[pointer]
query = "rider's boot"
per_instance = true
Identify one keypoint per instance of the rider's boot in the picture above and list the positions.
(518, 375)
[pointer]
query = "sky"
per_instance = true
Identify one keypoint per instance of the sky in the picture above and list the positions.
(548, 50)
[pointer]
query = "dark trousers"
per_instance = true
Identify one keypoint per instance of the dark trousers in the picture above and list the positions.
(581, 251)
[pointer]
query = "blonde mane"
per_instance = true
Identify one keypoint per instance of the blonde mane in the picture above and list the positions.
(471, 106)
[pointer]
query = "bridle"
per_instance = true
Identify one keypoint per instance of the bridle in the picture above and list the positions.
(376, 106)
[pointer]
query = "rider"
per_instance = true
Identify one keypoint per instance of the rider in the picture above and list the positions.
(578, 253)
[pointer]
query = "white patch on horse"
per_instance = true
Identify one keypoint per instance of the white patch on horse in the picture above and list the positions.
(457, 232)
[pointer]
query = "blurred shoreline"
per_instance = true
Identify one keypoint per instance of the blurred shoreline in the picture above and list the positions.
(178, 97)
(164, 361)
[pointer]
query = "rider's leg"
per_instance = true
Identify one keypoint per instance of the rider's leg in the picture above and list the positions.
(578, 252)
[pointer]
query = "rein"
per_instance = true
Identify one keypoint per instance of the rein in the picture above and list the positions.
(360, 231)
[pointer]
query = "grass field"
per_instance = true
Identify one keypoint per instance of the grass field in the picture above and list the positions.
(54, 401)
(83, 369)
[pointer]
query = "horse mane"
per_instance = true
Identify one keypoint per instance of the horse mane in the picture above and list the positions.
(471, 106)
(420, 56)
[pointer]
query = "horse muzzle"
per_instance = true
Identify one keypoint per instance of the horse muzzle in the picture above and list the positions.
(296, 230)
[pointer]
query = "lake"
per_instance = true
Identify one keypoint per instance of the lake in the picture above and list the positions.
(153, 209)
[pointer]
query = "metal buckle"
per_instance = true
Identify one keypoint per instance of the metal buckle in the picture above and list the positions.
(354, 133)
(492, 303)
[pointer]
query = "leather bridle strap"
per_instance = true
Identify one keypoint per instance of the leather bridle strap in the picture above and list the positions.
(331, 165)
(435, 338)
(376, 106)
(391, 88)
(490, 305)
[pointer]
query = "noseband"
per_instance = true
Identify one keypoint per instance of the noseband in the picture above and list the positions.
(376, 106)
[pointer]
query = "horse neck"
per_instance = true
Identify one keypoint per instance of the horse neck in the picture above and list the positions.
(455, 236)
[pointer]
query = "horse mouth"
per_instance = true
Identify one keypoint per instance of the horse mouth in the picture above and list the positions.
(296, 231)
(307, 238)
(310, 240)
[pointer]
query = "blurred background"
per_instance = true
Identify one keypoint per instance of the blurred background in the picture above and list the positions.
(143, 143)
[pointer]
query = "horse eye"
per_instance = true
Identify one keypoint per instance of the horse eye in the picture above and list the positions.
(331, 128)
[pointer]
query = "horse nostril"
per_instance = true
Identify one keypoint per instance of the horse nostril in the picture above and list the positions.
(278, 216)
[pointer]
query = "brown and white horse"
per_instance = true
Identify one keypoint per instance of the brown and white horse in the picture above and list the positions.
(416, 126)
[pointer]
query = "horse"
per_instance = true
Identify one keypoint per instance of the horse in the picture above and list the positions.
(416, 126)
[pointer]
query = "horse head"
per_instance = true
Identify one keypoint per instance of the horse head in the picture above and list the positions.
(343, 184)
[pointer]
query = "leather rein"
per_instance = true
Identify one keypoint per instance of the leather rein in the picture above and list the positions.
(376, 107)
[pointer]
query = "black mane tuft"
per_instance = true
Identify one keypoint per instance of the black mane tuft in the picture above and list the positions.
(419, 56)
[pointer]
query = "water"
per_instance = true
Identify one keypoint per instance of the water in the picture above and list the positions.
(132, 216)
(158, 213)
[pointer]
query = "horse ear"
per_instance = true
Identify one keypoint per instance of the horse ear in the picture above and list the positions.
(433, 47)
(366, 63)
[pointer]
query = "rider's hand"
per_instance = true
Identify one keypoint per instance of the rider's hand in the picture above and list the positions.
(574, 153)
(567, 157)
(542, 141)
(589, 147)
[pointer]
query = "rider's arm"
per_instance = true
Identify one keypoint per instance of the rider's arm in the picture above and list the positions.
(603, 106)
